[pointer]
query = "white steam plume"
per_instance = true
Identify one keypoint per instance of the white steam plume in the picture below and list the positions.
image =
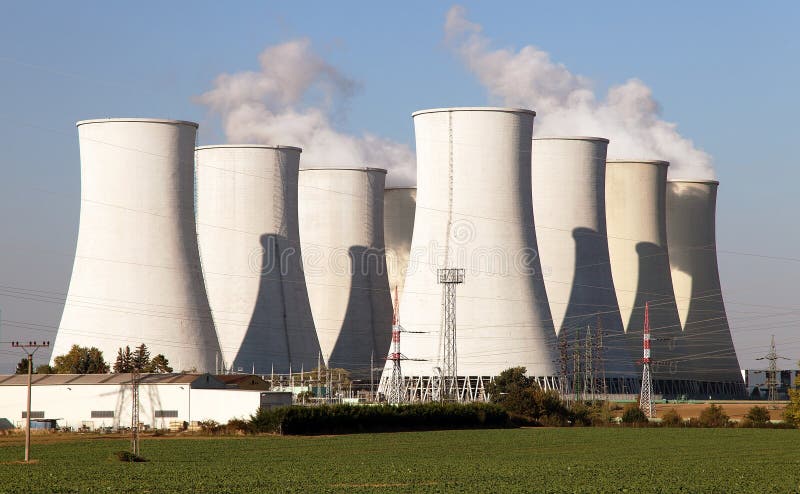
(565, 103)
(290, 100)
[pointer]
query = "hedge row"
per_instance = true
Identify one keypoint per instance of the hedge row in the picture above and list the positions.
(345, 419)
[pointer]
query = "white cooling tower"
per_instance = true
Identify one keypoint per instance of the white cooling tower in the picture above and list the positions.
(474, 211)
(250, 249)
(341, 232)
(569, 208)
(399, 207)
(691, 234)
(136, 277)
(637, 241)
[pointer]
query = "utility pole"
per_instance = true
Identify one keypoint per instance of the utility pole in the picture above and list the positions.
(29, 349)
(646, 396)
(772, 373)
(450, 278)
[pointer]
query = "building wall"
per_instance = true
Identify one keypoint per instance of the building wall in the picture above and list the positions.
(73, 404)
(137, 276)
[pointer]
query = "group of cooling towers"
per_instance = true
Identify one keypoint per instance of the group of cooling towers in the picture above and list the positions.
(234, 258)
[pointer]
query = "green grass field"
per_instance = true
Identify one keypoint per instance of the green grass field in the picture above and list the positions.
(517, 460)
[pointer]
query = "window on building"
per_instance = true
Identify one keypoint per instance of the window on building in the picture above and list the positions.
(166, 414)
(102, 414)
(34, 414)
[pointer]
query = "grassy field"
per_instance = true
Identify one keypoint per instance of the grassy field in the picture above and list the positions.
(517, 460)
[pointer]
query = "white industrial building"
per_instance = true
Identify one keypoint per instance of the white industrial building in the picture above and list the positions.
(569, 209)
(691, 235)
(137, 276)
(92, 401)
(341, 233)
(250, 250)
(474, 212)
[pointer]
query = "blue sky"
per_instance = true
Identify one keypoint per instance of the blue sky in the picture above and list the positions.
(726, 73)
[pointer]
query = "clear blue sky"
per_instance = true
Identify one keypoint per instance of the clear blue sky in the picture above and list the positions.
(727, 73)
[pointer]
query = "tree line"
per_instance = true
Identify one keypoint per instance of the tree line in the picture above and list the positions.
(90, 360)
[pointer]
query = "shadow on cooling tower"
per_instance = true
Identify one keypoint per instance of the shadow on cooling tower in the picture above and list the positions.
(281, 329)
(593, 307)
(367, 323)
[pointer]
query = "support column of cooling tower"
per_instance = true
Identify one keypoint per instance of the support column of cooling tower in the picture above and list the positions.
(450, 278)
(646, 395)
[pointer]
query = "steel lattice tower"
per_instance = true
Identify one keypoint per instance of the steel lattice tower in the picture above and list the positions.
(396, 389)
(646, 396)
(450, 278)
(135, 412)
(772, 373)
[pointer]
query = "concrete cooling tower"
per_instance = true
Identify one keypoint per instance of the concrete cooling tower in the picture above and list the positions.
(569, 209)
(474, 212)
(637, 241)
(341, 232)
(136, 277)
(399, 207)
(691, 209)
(250, 248)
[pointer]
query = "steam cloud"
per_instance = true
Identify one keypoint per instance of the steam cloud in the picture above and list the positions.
(566, 103)
(290, 102)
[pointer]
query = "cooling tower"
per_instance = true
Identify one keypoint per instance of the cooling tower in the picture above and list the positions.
(637, 241)
(569, 207)
(341, 232)
(474, 212)
(691, 207)
(136, 277)
(399, 206)
(250, 248)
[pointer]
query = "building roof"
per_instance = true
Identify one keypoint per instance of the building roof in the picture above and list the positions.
(113, 379)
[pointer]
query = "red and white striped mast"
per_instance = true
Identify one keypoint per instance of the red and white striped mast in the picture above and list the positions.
(396, 390)
(646, 395)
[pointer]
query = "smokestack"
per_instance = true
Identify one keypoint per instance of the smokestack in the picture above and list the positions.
(399, 207)
(137, 277)
(637, 241)
(691, 211)
(569, 209)
(250, 249)
(341, 232)
(474, 211)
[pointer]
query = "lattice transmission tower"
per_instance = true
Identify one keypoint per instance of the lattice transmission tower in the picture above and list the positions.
(772, 373)
(450, 278)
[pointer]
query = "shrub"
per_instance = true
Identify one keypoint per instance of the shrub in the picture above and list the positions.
(633, 415)
(714, 416)
(757, 416)
(210, 426)
(671, 418)
(129, 457)
(344, 419)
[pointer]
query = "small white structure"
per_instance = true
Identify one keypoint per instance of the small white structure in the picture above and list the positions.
(341, 233)
(93, 401)
(137, 277)
(250, 248)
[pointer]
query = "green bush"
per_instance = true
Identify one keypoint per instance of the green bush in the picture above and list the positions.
(345, 419)
(633, 415)
(756, 417)
(671, 418)
(129, 457)
(714, 416)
